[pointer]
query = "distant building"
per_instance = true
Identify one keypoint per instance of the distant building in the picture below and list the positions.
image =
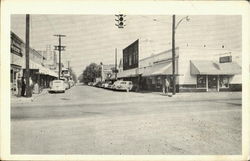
(107, 72)
(50, 56)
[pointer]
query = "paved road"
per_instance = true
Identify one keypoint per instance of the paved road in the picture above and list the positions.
(89, 120)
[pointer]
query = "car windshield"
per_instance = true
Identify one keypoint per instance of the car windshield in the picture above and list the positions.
(123, 82)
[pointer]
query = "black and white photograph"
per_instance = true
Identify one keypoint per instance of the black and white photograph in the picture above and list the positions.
(126, 84)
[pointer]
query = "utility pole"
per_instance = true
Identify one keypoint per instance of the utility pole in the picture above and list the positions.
(60, 48)
(173, 56)
(115, 63)
(27, 49)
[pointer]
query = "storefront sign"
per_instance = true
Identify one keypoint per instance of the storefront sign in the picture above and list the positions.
(225, 59)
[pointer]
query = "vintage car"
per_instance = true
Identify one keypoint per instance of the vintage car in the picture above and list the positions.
(57, 86)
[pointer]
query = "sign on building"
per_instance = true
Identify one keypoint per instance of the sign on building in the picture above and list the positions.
(131, 56)
(225, 59)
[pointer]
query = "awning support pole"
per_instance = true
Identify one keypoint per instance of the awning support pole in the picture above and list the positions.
(218, 83)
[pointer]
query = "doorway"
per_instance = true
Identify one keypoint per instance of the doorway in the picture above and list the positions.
(212, 83)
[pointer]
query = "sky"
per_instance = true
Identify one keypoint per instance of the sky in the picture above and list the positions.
(93, 38)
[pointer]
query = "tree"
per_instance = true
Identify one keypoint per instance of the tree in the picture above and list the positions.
(72, 74)
(91, 72)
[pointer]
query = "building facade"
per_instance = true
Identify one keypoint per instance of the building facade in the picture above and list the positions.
(17, 50)
(107, 72)
(39, 73)
(197, 69)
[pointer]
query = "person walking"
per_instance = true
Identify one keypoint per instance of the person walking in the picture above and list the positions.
(23, 87)
(19, 85)
(166, 86)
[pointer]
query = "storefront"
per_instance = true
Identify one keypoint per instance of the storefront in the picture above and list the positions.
(15, 71)
(214, 76)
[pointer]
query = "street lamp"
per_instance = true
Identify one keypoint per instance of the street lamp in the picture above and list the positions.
(174, 27)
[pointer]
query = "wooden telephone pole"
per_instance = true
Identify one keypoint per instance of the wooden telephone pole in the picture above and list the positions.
(27, 57)
(173, 56)
(60, 48)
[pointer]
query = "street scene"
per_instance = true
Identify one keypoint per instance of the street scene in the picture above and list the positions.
(126, 84)
(89, 120)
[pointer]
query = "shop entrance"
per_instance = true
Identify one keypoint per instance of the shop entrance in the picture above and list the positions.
(212, 83)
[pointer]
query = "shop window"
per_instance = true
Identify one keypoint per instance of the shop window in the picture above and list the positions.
(11, 76)
(224, 81)
(153, 80)
(158, 82)
(201, 81)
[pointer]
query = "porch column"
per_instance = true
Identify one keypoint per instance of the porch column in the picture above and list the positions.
(206, 82)
(218, 83)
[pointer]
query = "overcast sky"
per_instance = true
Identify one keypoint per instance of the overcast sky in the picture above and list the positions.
(93, 38)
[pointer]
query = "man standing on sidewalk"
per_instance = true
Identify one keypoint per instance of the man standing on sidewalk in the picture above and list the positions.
(23, 86)
(166, 86)
(19, 85)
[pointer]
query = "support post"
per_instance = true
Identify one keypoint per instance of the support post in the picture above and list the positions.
(218, 83)
(115, 63)
(207, 83)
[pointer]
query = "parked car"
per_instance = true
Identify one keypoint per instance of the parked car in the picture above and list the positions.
(107, 84)
(71, 83)
(66, 84)
(123, 85)
(90, 83)
(98, 84)
(103, 85)
(57, 86)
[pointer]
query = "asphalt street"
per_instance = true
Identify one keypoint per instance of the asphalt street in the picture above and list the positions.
(89, 120)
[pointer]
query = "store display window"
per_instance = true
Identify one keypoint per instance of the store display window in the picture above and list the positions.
(224, 81)
(201, 81)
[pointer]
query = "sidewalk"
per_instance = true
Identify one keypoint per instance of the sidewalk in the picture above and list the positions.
(200, 95)
(21, 100)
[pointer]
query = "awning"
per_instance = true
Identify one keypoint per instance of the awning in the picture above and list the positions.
(158, 69)
(128, 73)
(208, 67)
(42, 70)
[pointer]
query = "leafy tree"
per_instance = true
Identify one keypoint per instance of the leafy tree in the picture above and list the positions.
(91, 72)
(72, 73)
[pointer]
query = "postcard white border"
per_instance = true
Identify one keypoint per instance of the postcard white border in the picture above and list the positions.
(9, 7)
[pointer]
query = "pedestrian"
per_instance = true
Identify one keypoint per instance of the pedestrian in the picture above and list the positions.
(31, 85)
(19, 85)
(166, 86)
(36, 88)
(23, 87)
(163, 87)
